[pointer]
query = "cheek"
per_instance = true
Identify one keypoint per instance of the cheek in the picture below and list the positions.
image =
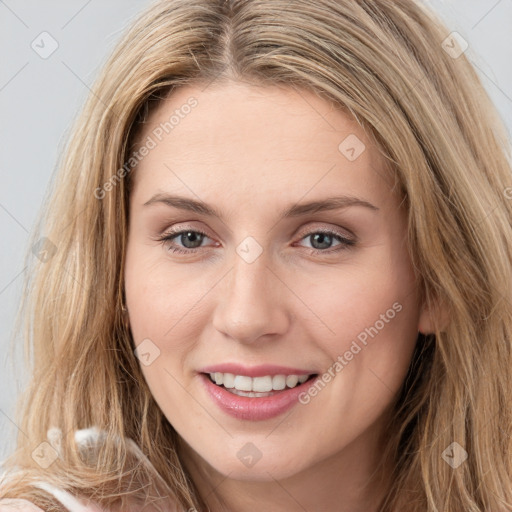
(369, 322)
(374, 320)
(381, 309)
(160, 297)
(380, 289)
(163, 322)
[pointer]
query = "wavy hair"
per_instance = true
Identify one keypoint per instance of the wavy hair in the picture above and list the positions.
(387, 64)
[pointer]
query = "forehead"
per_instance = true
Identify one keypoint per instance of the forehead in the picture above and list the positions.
(255, 139)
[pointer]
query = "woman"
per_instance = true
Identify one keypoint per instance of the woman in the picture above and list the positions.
(283, 272)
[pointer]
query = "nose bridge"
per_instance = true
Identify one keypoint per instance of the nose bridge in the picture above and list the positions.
(251, 267)
(247, 284)
(248, 304)
(250, 271)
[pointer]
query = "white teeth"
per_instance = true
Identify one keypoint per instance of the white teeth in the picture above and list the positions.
(291, 381)
(243, 383)
(264, 384)
(278, 382)
(228, 380)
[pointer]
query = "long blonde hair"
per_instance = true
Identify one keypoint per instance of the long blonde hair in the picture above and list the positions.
(387, 63)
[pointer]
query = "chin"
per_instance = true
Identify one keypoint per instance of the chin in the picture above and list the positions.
(251, 465)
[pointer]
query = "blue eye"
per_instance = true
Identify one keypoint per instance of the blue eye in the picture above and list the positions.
(191, 240)
(326, 238)
(186, 237)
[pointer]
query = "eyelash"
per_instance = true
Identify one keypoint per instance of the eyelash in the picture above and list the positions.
(345, 243)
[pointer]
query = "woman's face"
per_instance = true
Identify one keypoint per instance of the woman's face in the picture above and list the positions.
(302, 270)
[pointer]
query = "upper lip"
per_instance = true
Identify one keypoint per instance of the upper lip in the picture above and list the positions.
(255, 371)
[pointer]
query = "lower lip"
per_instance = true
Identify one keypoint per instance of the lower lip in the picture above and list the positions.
(255, 408)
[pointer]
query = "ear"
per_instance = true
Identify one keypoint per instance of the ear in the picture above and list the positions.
(433, 316)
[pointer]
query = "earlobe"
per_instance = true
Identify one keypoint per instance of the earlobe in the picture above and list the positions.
(433, 317)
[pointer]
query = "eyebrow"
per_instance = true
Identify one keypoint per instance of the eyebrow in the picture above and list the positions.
(296, 210)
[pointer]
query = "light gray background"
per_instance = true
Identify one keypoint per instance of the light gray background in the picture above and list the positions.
(40, 97)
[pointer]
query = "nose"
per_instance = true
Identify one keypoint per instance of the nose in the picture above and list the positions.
(251, 303)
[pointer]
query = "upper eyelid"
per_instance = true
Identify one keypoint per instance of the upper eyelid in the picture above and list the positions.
(307, 232)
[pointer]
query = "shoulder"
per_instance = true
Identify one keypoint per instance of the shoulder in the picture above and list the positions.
(18, 505)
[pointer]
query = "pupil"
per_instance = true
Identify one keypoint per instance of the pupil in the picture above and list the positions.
(321, 237)
(196, 239)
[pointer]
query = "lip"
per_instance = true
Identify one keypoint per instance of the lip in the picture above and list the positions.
(254, 408)
(255, 371)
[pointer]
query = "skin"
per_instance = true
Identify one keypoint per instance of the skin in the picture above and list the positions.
(252, 152)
